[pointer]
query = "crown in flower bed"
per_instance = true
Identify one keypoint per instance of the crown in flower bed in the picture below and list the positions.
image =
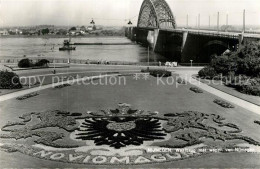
(27, 96)
(196, 90)
(223, 103)
(123, 110)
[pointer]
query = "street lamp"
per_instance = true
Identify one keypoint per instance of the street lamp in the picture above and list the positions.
(92, 22)
(148, 56)
(129, 23)
(191, 63)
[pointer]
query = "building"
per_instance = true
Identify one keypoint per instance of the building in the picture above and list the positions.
(4, 32)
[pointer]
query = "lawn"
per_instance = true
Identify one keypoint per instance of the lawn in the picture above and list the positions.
(186, 118)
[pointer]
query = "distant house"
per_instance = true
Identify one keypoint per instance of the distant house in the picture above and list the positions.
(4, 32)
(90, 28)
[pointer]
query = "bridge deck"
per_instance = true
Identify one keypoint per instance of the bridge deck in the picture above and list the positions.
(215, 33)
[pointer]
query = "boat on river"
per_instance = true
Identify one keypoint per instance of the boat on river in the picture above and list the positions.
(67, 46)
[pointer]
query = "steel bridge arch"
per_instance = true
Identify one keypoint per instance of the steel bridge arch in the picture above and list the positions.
(156, 14)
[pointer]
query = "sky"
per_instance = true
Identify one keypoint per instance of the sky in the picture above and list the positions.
(118, 12)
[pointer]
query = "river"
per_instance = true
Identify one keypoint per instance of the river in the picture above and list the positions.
(17, 47)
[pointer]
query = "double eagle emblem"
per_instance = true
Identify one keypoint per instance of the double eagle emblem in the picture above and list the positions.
(116, 136)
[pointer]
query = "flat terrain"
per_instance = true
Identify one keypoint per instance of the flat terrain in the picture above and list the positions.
(142, 93)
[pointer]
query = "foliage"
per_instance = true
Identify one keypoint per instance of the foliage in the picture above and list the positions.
(207, 72)
(9, 80)
(62, 86)
(223, 103)
(160, 73)
(257, 122)
(181, 81)
(196, 90)
(25, 63)
(73, 28)
(244, 84)
(157, 72)
(42, 62)
(245, 61)
(27, 96)
(45, 31)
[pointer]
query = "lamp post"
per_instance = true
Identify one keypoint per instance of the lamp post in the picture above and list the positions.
(54, 71)
(92, 22)
(191, 63)
(129, 23)
(148, 56)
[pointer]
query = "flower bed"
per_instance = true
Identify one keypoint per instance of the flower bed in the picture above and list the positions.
(223, 103)
(181, 81)
(257, 122)
(27, 96)
(157, 72)
(62, 86)
(196, 90)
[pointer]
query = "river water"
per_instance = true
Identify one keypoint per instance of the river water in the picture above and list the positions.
(42, 48)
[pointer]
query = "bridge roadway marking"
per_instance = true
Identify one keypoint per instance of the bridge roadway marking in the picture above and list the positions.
(232, 99)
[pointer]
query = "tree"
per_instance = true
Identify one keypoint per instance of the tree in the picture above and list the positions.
(42, 62)
(45, 31)
(83, 28)
(73, 28)
(9, 80)
(25, 63)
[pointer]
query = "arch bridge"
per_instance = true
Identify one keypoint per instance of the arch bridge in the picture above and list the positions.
(156, 27)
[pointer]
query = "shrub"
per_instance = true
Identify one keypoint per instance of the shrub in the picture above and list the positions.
(42, 62)
(157, 72)
(196, 90)
(249, 89)
(207, 72)
(225, 64)
(181, 81)
(9, 80)
(27, 96)
(160, 73)
(257, 122)
(245, 84)
(223, 103)
(25, 63)
(62, 86)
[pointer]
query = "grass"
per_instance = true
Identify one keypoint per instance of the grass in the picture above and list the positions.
(196, 117)
(230, 90)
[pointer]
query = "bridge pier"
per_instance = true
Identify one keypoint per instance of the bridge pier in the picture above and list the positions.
(182, 45)
(184, 39)
(130, 33)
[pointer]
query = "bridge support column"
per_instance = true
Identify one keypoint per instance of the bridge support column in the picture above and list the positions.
(184, 38)
(240, 38)
(155, 35)
(152, 38)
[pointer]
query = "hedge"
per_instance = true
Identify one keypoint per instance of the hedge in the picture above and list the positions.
(9, 80)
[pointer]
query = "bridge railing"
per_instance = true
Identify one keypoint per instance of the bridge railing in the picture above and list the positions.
(215, 34)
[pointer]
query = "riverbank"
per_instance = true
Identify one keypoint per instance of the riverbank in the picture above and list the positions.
(58, 36)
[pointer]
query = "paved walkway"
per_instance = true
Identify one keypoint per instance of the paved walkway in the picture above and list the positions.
(232, 99)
